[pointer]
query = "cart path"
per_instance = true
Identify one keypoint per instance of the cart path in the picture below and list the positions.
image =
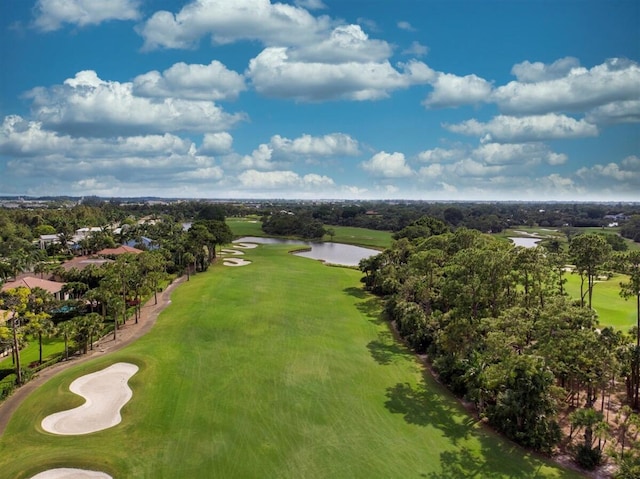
(126, 335)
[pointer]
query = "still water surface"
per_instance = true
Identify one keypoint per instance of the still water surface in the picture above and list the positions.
(334, 253)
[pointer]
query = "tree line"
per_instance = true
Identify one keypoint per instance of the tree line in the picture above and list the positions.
(499, 330)
(101, 296)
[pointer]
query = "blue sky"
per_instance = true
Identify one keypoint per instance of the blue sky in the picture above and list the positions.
(321, 99)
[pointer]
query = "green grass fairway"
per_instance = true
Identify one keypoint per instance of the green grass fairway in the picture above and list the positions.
(612, 309)
(249, 226)
(279, 369)
(360, 236)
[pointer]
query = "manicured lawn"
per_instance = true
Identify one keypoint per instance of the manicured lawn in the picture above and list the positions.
(31, 352)
(360, 236)
(612, 309)
(249, 226)
(278, 369)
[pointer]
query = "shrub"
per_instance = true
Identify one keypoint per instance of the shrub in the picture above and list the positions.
(587, 457)
(7, 386)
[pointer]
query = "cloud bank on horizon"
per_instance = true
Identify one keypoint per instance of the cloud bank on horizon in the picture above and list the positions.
(321, 99)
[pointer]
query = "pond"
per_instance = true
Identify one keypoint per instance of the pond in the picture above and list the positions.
(333, 253)
(526, 242)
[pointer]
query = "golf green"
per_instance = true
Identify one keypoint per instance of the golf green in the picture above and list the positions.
(278, 369)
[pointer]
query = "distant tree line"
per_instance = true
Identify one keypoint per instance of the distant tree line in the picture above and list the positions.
(293, 224)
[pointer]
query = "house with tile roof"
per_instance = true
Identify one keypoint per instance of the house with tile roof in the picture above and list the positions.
(119, 250)
(32, 282)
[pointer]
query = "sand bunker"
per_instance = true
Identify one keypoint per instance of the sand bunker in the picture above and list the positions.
(232, 251)
(235, 262)
(105, 391)
(68, 473)
(245, 245)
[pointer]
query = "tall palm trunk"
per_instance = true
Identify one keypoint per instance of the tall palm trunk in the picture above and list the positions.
(16, 349)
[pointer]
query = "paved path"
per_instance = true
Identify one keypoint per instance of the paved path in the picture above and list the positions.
(126, 335)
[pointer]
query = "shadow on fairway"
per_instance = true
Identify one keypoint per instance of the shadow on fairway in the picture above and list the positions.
(492, 462)
(423, 407)
(371, 306)
(385, 350)
(356, 292)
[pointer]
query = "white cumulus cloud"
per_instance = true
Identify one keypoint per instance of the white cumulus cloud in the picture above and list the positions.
(615, 112)
(52, 14)
(451, 90)
(518, 153)
(387, 165)
(627, 171)
(274, 73)
(578, 90)
(88, 105)
(346, 43)
(192, 82)
(269, 180)
(216, 143)
(511, 129)
(416, 49)
(334, 144)
(527, 72)
(229, 21)
(441, 155)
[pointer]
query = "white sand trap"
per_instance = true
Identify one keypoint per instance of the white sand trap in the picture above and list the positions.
(105, 391)
(235, 262)
(68, 473)
(246, 245)
(232, 251)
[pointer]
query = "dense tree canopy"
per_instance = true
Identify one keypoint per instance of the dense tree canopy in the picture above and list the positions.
(498, 328)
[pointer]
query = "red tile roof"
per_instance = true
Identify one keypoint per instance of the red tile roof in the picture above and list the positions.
(81, 262)
(30, 282)
(119, 250)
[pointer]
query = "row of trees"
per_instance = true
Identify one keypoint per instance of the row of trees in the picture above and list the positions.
(500, 330)
(299, 224)
(98, 296)
(101, 297)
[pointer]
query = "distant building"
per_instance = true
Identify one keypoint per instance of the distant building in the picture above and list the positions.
(46, 240)
(616, 218)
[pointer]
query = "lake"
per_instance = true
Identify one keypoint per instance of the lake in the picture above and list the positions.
(334, 253)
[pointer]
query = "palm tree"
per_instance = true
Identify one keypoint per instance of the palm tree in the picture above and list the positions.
(15, 302)
(95, 326)
(75, 289)
(67, 329)
(189, 258)
(40, 324)
(40, 268)
(65, 239)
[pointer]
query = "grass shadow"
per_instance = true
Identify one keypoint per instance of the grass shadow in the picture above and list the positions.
(357, 292)
(426, 405)
(421, 406)
(370, 306)
(385, 350)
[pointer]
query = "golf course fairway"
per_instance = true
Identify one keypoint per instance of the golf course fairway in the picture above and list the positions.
(278, 369)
